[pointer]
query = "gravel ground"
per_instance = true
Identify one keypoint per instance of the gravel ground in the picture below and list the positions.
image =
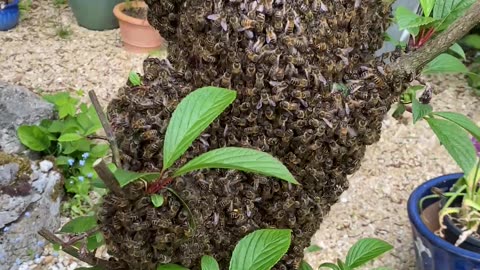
(33, 55)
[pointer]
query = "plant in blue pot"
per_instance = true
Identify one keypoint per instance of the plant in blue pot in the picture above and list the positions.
(9, 14)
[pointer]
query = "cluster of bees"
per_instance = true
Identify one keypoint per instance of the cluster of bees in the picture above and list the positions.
(310, 93)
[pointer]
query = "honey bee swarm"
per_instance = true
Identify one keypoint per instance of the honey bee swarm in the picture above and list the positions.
(309, 91)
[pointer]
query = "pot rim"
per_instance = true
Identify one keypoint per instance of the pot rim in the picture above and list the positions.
(416, 220)
(121, 16)
(15, 3)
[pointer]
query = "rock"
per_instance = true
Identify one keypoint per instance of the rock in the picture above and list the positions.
(24, 216)
(8, 173)
(45, 165)
(19, 106)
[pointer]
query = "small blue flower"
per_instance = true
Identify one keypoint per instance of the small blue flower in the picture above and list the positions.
(18, 261)
(81, 178)
(6, 229)
(27, 214)
(40, 244)
(55, 254)
(17, 240)
(90, 175)
(81, 163)
(85, 155)
(71, 161)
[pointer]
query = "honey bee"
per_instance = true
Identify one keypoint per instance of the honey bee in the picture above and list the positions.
(226, 80)
(207, 57)
(260, 24)
(290, 25)
(252, 117)
(116, 201)
(269, 113)
(298, 61)
(149, 135)
(140, 123)
(301, 83)
(236, 67)
(300, 114)
(252, 130)
(264, 99)
(246, 23)
(239, 121)
(219, 21)
(278, 97)
(245, 106)
(271, 36)
(259, 82)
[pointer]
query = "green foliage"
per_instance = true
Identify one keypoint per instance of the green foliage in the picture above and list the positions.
(67, 138)
(260, 250)
(458, 50)
(427, 6)
(134, 78)
(80, 225)
(126, 177)
(171, 266)
(420, 110)
(191, 117)
(410, 21)
(448, 11)
(305, 266)
(24, 6)
(472, 41)
(362, 252)
(243, 159)
(64, 31)
(59, 3)
(157, 200)
(445, 63)
(209, 263)
(313, 248)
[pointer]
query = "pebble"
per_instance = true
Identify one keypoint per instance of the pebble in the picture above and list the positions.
(45, 165)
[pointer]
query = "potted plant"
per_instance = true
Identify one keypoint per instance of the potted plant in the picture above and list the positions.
(136, 32)
(95, 14)
(9, 14)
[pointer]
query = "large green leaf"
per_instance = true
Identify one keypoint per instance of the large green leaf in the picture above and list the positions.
(330, 266)
(462, 121)
(427, 6)
(134, 78)
(192, 116)
(243, 159)
(95, 241)
(34, 138)
(170, 266)
(419, 110)
(70, 137)
(458, 50)
(452, 10)
(80, 225)
(366, 250)
(406, 19)
(472, 41)
(456, 141)
(209, 263)
(126, 177)
(260, 250)
(444, 7)
(445, 63)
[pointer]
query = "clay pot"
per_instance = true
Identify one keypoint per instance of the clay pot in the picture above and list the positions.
(138, 35)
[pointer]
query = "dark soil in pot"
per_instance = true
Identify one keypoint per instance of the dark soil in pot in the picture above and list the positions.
(455, 228)
(139, 13)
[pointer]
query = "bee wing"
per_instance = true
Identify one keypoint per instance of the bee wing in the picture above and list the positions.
(224, 25)
(213, 17)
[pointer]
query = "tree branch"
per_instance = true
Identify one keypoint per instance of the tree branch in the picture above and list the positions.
(412, 63)
(108, 129)
(107, 177)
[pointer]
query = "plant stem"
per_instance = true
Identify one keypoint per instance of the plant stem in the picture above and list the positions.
(106, 126)
(97, 137)
(107, 177)
(88, 258)
(409, 65)
(75, 239)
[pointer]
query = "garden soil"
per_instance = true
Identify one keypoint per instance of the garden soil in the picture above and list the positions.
(33, 55)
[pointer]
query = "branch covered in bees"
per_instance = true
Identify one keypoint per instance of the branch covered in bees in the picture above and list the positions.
(410, 64)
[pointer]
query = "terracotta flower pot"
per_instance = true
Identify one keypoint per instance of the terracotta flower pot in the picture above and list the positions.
(137, 34)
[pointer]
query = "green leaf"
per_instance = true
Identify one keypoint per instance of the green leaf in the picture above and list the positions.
(410, 93)
(260, 250)
(457, 49)
(452, 10)
(420, 110)
(243, 159)
(313, 248)
(444, 7)
(56, 126)
(462, 121)
(366, 250)
(134, 78)
(456, 141)
(126, 177)
(304, 266)
(342, 265)
(69, 137)
(406, 19)
(34, 138)
(192, 116)
(472, 41)
(399, 110)
(80, 225)
(62, 160)
(170, 266)
(331, 266)
(209, 263)
(99, 150)
(157, 200)
(445, 63)
(95, 241)
(427, 6)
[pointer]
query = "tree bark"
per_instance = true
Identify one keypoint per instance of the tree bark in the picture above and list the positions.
(412, 64)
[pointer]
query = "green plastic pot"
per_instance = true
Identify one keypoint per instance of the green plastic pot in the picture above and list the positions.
(95, 14)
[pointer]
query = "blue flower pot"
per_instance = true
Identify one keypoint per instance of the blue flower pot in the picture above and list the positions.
(9, 16)
(433, 252)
